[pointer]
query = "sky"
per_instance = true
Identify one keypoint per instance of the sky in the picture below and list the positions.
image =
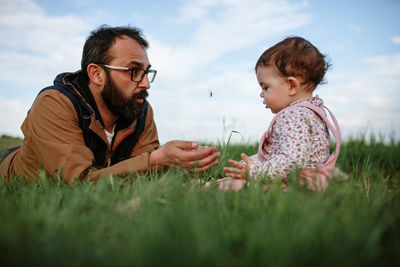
(203, 46)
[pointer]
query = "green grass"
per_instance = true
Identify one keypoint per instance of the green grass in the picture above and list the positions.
(8, 141)
(164, 219)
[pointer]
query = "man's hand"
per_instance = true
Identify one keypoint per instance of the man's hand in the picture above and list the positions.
(184, 154)
(240, 169)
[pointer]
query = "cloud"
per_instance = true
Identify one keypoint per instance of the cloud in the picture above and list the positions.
(191, 113)
(14, 112)
(222, 39)
(370, 99)
(35, 47)
(195, 11)
(396, 39)
(385, 65)
(35, 44)
(219, 28)
(355, 28)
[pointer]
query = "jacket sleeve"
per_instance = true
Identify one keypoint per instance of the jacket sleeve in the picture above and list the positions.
(53, 128)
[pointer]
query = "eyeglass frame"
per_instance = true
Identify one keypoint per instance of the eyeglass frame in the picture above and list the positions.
(145, 72)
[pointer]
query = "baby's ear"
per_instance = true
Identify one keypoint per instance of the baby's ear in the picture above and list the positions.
(294, 85)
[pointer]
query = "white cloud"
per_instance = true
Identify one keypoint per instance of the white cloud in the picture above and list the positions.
(396, 39)
(370, 99)
(355, 28)
(195, 10)
(39, 46)
(385, 65)
(191, 113)
(36, 46)
(219, 28)
(223, 27)
(14, 112)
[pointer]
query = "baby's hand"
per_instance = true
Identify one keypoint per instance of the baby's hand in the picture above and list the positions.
(240, 169)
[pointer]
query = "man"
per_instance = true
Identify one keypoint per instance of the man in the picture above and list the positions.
(96, 122)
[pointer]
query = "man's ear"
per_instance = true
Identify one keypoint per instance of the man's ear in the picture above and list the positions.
(95, 74)
(294, 85)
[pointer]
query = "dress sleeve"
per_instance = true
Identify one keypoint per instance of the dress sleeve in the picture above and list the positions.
(289, 145)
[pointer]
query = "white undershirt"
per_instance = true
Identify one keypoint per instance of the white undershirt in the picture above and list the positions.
(109, 135)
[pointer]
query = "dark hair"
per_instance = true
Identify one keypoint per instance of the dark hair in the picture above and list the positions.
(296, 57)
(99, 41)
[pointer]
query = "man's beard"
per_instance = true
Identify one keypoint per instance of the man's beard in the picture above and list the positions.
(120, 106)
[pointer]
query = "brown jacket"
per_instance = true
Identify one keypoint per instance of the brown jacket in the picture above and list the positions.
(54, 143)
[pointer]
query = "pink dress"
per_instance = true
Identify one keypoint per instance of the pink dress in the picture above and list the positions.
(297, 137)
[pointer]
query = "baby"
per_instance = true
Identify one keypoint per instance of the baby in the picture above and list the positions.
(298, 136)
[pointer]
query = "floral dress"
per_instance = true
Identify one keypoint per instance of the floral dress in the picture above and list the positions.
(298, 138)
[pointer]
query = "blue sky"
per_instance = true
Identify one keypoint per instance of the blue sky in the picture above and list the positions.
(198, 46)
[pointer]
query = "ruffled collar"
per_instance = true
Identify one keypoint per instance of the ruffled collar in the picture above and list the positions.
(316, 101)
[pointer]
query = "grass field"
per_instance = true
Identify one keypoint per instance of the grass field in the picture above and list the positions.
(8, 141)
(164, 219)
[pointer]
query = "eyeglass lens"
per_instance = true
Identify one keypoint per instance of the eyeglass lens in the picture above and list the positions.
(137, 75)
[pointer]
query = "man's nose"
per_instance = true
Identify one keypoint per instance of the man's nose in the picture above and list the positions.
(144, 83)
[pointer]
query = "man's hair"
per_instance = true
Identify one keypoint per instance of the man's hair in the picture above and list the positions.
(99, 41)
(295, 56)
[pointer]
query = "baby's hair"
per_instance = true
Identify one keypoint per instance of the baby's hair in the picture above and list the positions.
(296, 57)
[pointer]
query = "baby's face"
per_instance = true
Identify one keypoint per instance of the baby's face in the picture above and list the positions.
(275, 89)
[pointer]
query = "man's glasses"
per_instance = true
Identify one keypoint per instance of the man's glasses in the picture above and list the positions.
(137, 74)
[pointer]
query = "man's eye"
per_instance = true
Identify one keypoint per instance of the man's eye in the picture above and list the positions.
(134, 71)
(265, 89)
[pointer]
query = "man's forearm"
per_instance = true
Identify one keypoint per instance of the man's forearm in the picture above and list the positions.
(130, 166)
